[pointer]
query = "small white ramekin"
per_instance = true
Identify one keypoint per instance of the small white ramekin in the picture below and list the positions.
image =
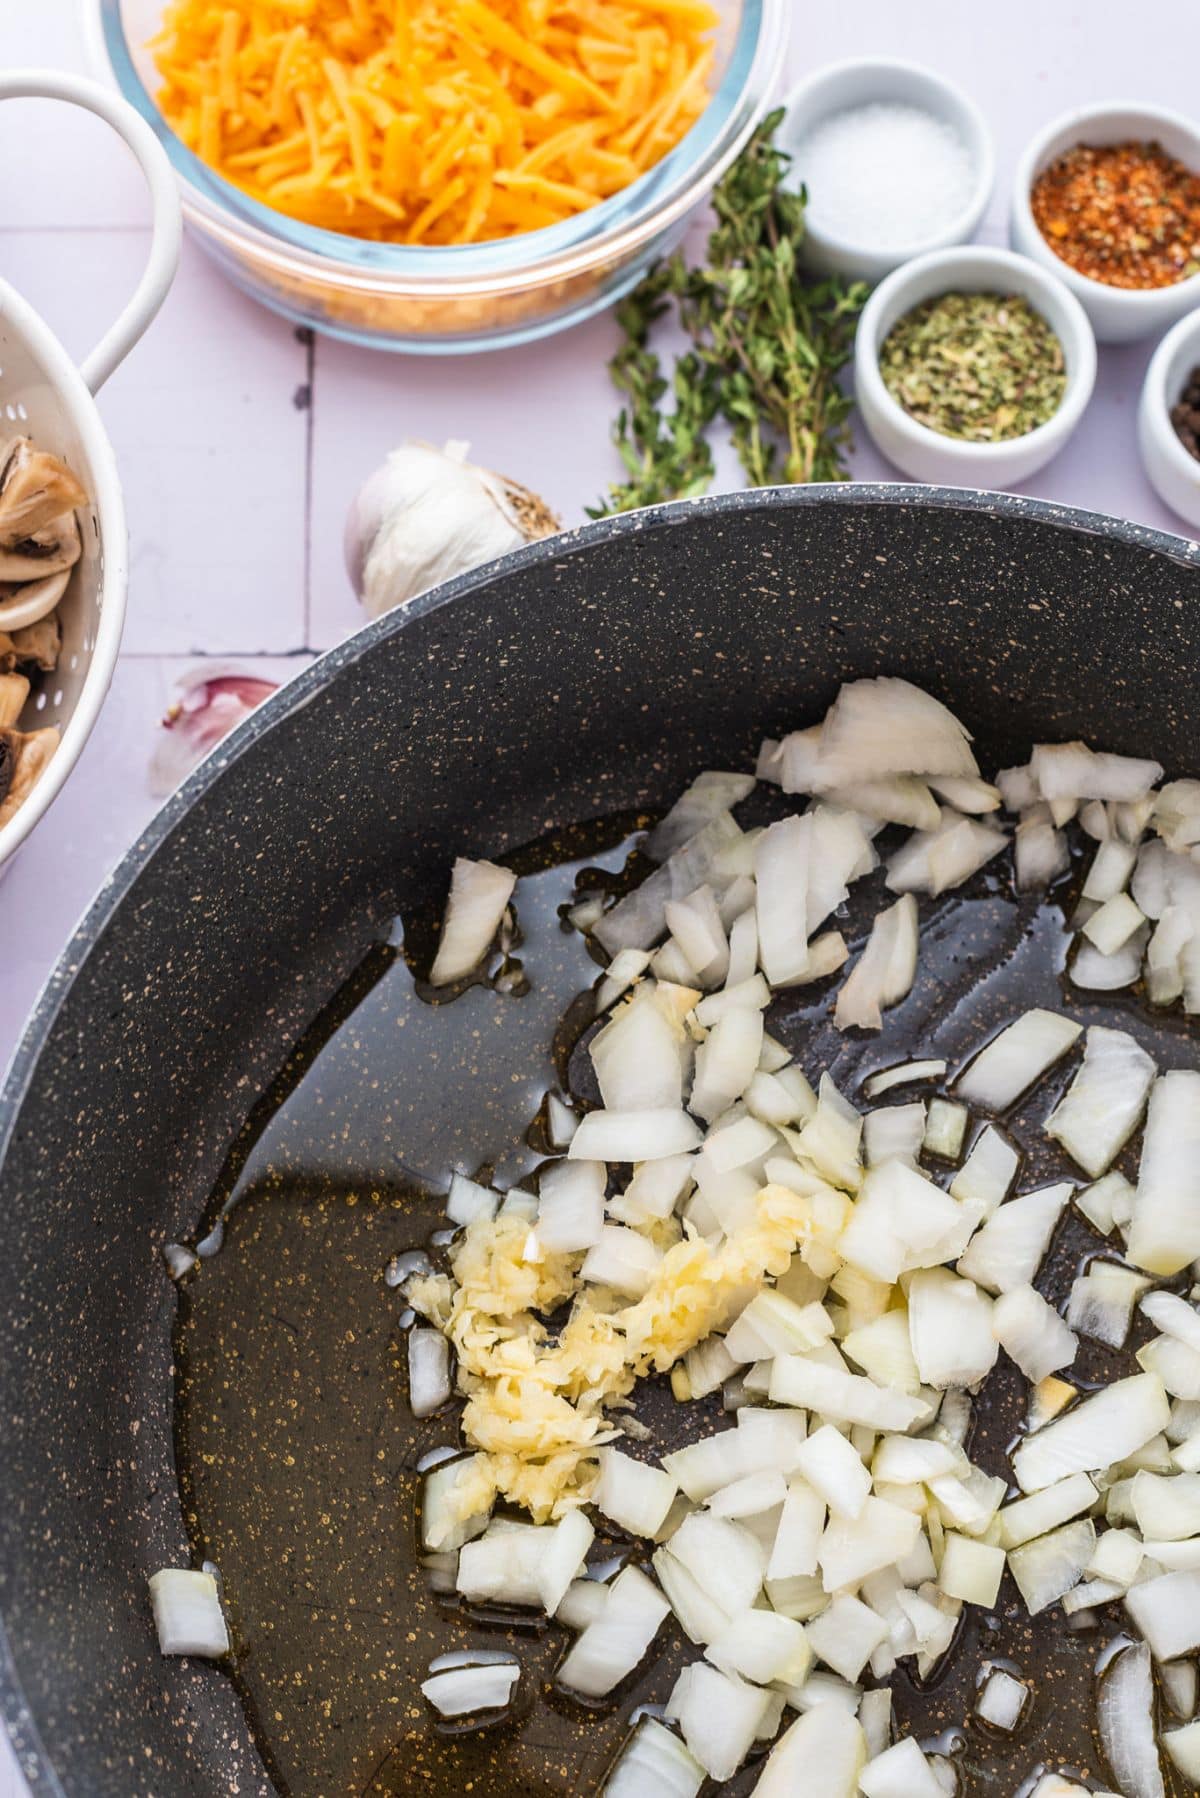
(928, 455)
(843, 86)
(1174, 475)
(1118, 314)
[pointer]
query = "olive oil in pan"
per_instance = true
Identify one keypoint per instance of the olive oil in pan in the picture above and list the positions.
(299, 1459)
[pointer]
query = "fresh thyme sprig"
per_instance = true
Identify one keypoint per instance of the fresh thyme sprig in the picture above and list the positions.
(765, 345)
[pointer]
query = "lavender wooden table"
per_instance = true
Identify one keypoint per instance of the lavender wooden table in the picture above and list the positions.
(241, 445)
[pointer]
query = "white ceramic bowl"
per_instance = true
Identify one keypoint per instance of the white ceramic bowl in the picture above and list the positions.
(947, 461)
(845, 85)
(1118, 314)
(44, 396)
(1174, 475)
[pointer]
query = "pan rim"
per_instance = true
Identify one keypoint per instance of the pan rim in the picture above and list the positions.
(31, 1753)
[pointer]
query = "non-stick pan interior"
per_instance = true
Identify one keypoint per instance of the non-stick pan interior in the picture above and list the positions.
(587, 677)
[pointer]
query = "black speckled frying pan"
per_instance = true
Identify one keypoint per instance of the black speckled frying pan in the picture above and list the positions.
(584, 679)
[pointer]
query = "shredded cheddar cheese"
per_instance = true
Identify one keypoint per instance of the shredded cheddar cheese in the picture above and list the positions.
(433, 121)
(536, 1402)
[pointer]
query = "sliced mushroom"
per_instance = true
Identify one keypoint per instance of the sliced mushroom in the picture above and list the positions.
(36, 491)
(14, 691)
(51, 551)
(24, 603)
(32, 645)
(24, 756)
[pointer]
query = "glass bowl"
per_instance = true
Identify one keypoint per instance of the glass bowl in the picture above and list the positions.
(477, 296)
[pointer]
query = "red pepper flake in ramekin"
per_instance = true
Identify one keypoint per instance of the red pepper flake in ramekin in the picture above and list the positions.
(1126, 214)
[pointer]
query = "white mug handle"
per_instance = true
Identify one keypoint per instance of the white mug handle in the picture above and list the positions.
(115, 345)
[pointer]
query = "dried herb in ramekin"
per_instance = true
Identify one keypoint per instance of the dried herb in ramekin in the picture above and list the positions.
(979, 366)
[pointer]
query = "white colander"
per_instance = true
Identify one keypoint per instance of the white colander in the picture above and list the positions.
(44, 396)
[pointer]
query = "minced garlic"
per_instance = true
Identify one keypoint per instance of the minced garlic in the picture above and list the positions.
(536, 1401)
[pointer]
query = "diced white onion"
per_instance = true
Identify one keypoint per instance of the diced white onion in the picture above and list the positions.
(1165, 1234)
(1173, 1316)
(899, 1222)
(718, 1715)
(753, 993)
(724, 1556)
(1111, 927)
(479, 896)
(633, 1494)
(1015, 1059)
(570, 1212)
(1102, 1300)
(626, 967)
(187, 1613)
(894, 1132)
(988, 1171)
(655, 1189)
(1183, 1746)
(797, 760)
(1018, 788)
(582, 1603)
(1177, 1365)
(1032, 1333)
(903, 1074)
(699, 1616)
(950, 1327)
(622, 1259)
(1108, 973)
(1001, 1700)
(901, 1771)
(773, 1324)
(1125, 1714)
(781, 862)
(1041, 1512)
(884, 972)
(428, 1371)
(611, 1647)
(442, 1530)
(835, 1471)
(828, 1738)
(945, 1129)
(846, 1635)
(1073, 771)
(1107, 1426)
(852, 1547)
(1110, 870)
(1040, 852)
(462, 1691)
(1167, 1612)
(1008, 1250)
(725, 1065)
(563, 1557)
(1046, 1568)
(762, 1646)
(1105, 1102)
(633, 1136)
(641, 1055)
(886, 726)
(467, 1200)
(639, 919)
(501, 1566)
(935, 861)
(709, 794)
(695, 924)
(1166, 1506)
(654, 1764)
(797, 1535)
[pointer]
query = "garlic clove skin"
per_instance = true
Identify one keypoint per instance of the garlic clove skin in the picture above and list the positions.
(210, 700)
(427, 515)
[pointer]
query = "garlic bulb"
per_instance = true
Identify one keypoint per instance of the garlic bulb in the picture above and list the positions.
(426, 515)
